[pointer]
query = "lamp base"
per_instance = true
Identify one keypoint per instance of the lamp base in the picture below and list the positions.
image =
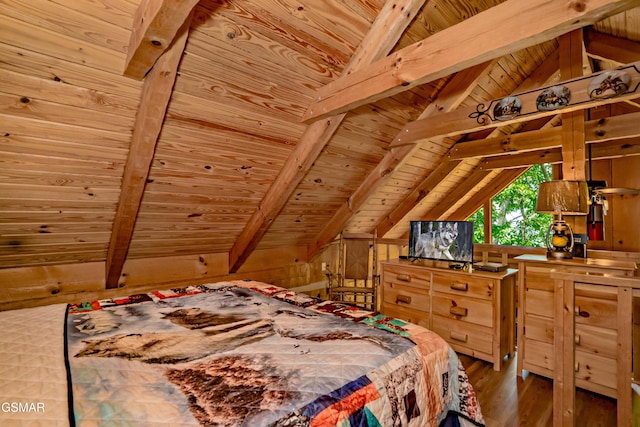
(559, 255)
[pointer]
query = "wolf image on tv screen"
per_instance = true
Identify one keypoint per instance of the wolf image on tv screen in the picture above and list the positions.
(442, 240)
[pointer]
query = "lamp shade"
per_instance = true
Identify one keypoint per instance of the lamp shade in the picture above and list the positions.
(563, 197)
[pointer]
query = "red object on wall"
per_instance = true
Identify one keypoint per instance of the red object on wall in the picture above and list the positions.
(595, 222)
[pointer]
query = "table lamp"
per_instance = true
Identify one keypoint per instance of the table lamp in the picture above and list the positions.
(558, 198)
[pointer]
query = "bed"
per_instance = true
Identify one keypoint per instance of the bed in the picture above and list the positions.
(238, 353)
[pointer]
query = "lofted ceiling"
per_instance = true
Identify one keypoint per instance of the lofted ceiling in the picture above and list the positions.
(136, 129)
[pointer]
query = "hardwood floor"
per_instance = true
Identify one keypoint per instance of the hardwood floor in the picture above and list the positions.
(508, 400)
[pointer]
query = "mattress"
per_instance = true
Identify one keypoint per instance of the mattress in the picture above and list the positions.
(239, 353)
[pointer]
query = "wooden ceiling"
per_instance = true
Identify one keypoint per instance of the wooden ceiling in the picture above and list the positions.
(136, 129)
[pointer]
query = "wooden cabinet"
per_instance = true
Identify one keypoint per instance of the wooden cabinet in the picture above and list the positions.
(473, 312)
(595, 320)
(594, 346)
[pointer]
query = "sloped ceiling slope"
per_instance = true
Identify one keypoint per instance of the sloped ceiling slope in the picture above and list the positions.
(226, 146)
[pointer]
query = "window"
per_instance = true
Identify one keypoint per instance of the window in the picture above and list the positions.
(514, 220)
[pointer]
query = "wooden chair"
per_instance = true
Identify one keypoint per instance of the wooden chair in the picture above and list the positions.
(356, 281)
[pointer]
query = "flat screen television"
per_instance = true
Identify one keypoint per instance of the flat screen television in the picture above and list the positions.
(441, 240)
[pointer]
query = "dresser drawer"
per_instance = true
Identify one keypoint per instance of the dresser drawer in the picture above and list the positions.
(593, 339)
(539, 328)
(596, 307)
(539, 302)
(596, 373)
(538, 278)
(408, 315)
(540, 357)
(405, 296)
(463, 284)
(467, 309)
(405, 275)
(457, 333)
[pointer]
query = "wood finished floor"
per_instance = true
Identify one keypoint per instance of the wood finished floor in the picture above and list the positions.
(508, 400)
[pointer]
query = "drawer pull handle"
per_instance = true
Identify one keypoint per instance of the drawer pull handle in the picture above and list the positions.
(577, 339)
(576, 367)
(458, 311)
(403, 298)
(464, 287)
(403, 277)
(458, 336)
(582, 313)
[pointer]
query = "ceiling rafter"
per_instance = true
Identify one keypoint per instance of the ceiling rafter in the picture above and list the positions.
(463, 121)
(511, 26)
(547, 138)
(605, 150)
(385, 32)
(599, 130)
(616, 136)
(156, 93)
(416, 196)
(457, 193)
(507, 144)
(488, 192)
(453, 94)
(544, 73)
(156, 25)
(610, 48)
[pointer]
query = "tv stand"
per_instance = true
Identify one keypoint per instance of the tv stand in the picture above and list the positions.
(473, 311)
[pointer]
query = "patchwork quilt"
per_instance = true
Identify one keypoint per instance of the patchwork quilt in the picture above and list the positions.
(243, 353)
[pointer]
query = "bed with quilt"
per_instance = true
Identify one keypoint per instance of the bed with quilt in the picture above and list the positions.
(239, 353)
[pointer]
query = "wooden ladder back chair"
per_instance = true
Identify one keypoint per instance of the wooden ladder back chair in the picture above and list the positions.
(357, 280)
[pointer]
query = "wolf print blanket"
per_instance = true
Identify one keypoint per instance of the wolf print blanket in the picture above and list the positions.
(252, 354)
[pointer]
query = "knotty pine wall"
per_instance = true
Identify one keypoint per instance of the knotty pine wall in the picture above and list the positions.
(68, 283)
(622, 222)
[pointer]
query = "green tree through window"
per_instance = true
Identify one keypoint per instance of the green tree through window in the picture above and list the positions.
(515, 221)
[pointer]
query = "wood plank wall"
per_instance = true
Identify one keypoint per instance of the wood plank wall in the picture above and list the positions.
(622, 231)
(71, 283)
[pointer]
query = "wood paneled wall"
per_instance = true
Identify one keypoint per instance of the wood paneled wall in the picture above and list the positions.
(622, 222)
(70, 283)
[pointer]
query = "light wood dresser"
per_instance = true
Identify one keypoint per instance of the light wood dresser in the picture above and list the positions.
(595, 313)
(612, 324)
(474, 312)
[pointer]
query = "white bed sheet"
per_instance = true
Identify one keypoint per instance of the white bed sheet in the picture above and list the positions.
(33, 375)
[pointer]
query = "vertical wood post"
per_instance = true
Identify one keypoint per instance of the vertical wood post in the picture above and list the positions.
(574, 157)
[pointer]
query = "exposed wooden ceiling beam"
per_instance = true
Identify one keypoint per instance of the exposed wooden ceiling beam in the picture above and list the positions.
(615, 50)
(509, 144)
(384, 33)
(600, 130)
(476, 118)
(610, 48)
(465, 187)
(489, 191)
(505, 28)
(496, 184)
(616, 148)
(156, 25)
(156, 93)
(604, 150)
(541, 75)
(450, 98)
(551, 156)
(416, 196)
